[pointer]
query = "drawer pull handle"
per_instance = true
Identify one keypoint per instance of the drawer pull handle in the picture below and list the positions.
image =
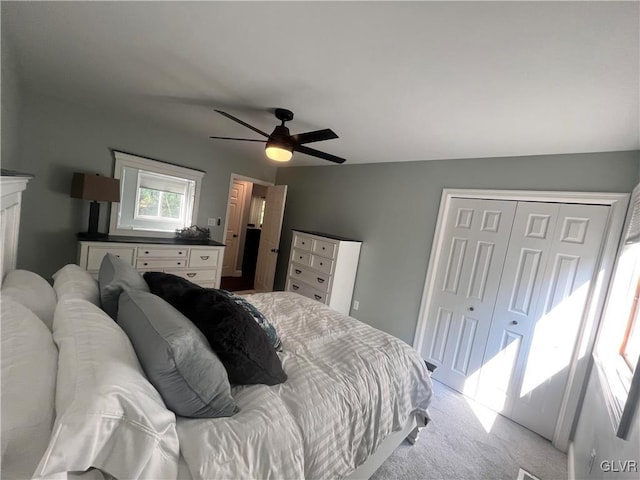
(145, 264)
(300, 257)
(146, 253)
(320, 280)
(191, 274)
(317, 297)
(178, 263)
(204, 257)
(321, 263)
(298, 271)
(179, 253)
(323, 248)
(295, 287)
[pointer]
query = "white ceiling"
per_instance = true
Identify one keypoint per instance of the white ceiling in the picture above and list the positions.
(396, 81)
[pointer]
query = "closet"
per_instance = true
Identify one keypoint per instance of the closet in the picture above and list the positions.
(506, 298)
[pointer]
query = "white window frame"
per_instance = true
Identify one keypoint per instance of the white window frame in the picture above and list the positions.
(123, 160)
(620, 385)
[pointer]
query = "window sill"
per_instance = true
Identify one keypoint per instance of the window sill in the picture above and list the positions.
(620, 389)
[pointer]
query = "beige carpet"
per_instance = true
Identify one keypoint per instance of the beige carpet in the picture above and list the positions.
(457, 445)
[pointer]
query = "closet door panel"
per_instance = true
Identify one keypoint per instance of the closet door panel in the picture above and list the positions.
(570, 271)
(467, 279)
(516, 303)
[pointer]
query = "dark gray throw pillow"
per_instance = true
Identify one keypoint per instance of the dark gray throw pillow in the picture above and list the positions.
(258, 316)
(114, 276)
(240, 343)
(176, 357)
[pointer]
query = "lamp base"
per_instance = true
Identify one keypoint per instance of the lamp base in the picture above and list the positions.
(92, 236)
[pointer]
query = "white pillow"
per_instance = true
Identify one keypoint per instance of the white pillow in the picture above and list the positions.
(75, 282)
(28, 371)
(109, 416)
(32, 291)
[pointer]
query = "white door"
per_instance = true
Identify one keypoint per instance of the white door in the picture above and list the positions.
(467, 279)
(550, 325)
(270, 238)
(234, 224)
(516, 303)
(503, 324)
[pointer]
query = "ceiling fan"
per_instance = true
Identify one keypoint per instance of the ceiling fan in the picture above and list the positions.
(281, 144)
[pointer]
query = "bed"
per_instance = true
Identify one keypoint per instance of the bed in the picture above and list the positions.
(79, 398)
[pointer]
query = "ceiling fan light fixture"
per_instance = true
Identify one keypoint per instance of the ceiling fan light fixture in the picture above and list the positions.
(278, 152)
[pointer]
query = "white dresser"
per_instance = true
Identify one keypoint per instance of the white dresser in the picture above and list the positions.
(323, 267)
(201, 264)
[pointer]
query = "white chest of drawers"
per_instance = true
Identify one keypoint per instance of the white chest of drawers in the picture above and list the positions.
(201, 264)
(323, 267)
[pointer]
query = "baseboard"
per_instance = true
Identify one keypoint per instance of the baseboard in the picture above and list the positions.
(571, 470)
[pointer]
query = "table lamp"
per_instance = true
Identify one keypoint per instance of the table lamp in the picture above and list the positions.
(94, 187)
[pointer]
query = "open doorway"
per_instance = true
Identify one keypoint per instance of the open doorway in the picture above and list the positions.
(253, 223)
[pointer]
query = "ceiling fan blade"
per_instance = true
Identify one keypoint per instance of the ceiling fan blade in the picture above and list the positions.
(315, 136)
(243, 139)
(317, 153)
(228, 115)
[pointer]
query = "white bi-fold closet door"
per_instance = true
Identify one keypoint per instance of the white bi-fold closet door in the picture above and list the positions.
(511, 286)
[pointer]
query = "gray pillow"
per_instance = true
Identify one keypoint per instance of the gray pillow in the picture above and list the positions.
(176, 357)
(116, 275)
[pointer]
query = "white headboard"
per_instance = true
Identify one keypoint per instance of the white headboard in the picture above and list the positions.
(11, 188)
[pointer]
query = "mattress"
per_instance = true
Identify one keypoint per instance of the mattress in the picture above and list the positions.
(349, 386)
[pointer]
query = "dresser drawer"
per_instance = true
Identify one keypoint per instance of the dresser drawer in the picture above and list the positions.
(322, 264)
(311, 277)
(324, 248)
(302, 242)
(203, 257)
(160, 264)
(160, 252)
(199, 276)
(304, 289)
(96, 254)
(300, 256)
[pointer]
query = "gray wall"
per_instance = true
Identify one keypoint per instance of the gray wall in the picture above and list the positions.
(393, 207)
(10, 113)
(59, 138)
(595, 432)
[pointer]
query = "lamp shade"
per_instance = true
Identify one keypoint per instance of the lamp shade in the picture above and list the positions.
(90, 186)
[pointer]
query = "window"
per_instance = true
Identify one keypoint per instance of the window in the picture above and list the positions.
(618, 347)
(156, 198)
(162, 197)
